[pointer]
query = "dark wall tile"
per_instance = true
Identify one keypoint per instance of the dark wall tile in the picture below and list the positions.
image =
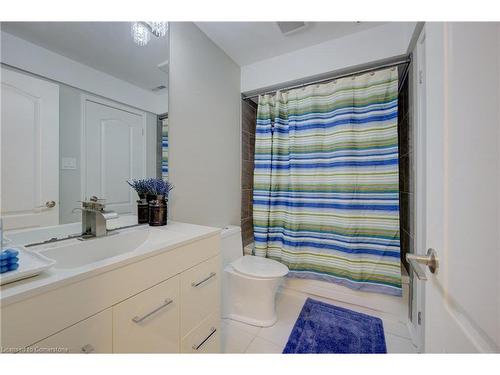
(249, 116)
(406, 177)
(404, 174)
(247, 231)
(247, 174)
(249, 119)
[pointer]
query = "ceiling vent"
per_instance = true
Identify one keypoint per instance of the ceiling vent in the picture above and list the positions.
(288, 28)
(158, 88)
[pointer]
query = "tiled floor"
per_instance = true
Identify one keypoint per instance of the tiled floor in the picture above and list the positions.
(243, 338)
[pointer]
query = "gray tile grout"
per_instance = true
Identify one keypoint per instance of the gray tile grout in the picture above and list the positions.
(250, 343)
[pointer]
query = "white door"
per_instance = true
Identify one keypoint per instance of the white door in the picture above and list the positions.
(462, 187)
(416, 324)
(114, 152)
(29, 195)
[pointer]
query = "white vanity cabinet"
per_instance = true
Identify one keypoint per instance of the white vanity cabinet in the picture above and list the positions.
(92, 335)
(149, 321)
(200, 316)
(165, 303)
(205, 338)
(200, 287)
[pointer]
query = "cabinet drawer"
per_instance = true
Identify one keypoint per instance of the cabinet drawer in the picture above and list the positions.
(205, 338)
(149, 321)
(92, 335)
(200, 293)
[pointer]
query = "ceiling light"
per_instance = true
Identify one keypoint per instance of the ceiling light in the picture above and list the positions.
(159, 29)
(140, 33)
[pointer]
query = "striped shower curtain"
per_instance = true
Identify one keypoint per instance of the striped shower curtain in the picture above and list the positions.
(326, 181)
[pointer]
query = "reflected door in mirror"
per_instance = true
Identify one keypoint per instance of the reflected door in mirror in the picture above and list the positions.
(114, 152)
(29, 151)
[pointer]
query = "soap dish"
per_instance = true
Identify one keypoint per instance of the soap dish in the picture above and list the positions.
(30, 264)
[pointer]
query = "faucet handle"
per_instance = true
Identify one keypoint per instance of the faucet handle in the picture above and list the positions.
(95, 199)
(94, 203)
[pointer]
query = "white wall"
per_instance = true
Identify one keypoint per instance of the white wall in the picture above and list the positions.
(353, 50)
(204, 130)
(70, 130)
(27, 56)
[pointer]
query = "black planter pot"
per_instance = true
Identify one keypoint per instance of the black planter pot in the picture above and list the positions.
(152, 197)
(158, 211)
(142, 211)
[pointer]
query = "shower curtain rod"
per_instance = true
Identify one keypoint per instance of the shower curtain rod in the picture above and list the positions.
(400, 61)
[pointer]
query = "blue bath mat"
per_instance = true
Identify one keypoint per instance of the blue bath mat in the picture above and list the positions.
(324, 328)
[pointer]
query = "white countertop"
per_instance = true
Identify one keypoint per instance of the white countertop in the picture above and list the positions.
(159, 240)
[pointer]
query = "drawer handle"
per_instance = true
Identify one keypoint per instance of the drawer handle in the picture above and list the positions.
(165, 304)
(87, 348)
(212, 332)
(196, 284)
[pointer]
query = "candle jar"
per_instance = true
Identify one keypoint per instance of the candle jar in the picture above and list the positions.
(158, 211)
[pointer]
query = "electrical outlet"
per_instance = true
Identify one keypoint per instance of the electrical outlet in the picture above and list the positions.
(68, 163)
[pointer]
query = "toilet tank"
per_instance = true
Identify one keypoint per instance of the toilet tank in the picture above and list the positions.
(231, 244)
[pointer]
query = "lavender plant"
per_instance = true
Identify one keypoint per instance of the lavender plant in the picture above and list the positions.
(153, 186)
(158, 186)
(140, 186)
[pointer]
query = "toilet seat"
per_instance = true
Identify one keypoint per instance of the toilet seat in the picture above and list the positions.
(259, 267)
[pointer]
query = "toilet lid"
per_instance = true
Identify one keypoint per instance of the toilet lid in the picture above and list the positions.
(259, 267)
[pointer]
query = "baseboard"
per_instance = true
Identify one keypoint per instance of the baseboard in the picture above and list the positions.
(397, 306)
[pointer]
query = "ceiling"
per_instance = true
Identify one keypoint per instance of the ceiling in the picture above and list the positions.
(105, 46)
(249, 42)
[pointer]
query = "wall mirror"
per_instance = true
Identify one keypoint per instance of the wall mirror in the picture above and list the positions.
(84, 108)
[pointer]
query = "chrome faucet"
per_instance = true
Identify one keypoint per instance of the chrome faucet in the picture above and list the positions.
(94, 217)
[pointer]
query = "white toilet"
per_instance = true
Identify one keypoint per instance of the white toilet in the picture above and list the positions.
(249, 283)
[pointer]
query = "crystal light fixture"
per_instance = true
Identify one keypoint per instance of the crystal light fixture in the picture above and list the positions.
(159, 29)
(140, 33)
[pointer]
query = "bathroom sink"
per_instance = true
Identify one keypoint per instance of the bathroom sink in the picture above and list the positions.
(80, 253)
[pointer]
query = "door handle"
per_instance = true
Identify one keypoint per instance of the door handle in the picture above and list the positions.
(212, 332)
(137, 319)
(48, 204)
(198, 283)
(88, 349)
(430, 260)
